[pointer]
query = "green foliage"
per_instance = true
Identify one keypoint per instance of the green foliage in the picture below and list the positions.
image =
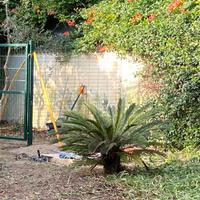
(107, 132)
(117, 25)
(178, 177)
(3, 21)
(180, 103)
(30, 19)
(23, 22)
(64, 9)
(166, 35)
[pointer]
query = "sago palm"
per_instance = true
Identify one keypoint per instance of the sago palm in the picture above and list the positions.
(111, 134)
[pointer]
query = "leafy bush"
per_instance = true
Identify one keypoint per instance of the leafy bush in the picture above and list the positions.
(52, 24)
(180, 102)
(166, 35)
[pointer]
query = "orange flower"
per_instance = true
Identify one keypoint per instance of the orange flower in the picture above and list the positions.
(102, 49)
(151, 17)
(137, 17)
(66, 33)
(70, 23)
(130, 1)
(175, 4)
(88, 21)
(178, 3)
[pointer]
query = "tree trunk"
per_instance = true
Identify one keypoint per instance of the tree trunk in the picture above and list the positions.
(112, 163)
(5, 68)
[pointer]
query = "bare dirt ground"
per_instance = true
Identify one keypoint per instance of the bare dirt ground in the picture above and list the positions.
(23, 179)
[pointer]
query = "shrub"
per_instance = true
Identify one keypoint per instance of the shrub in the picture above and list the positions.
(43, 21)
(109, 134)
(180, 102)
(166, 35)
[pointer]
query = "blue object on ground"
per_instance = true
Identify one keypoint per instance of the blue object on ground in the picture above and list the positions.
(67, 155)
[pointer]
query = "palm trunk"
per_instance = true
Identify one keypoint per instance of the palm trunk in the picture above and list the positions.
(112, 163)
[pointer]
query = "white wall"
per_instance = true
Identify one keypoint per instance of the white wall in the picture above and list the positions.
(106, 77)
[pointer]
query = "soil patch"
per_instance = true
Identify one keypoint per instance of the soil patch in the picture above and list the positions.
(28, 180)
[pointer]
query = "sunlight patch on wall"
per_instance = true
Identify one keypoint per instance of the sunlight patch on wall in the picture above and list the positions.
(107, 61)
(128, 70)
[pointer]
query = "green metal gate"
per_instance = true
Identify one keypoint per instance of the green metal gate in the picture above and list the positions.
(16, 91)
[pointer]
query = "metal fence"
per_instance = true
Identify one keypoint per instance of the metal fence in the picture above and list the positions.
(16, 83)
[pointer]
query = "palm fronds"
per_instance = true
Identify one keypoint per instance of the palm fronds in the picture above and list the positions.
(107, 132)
